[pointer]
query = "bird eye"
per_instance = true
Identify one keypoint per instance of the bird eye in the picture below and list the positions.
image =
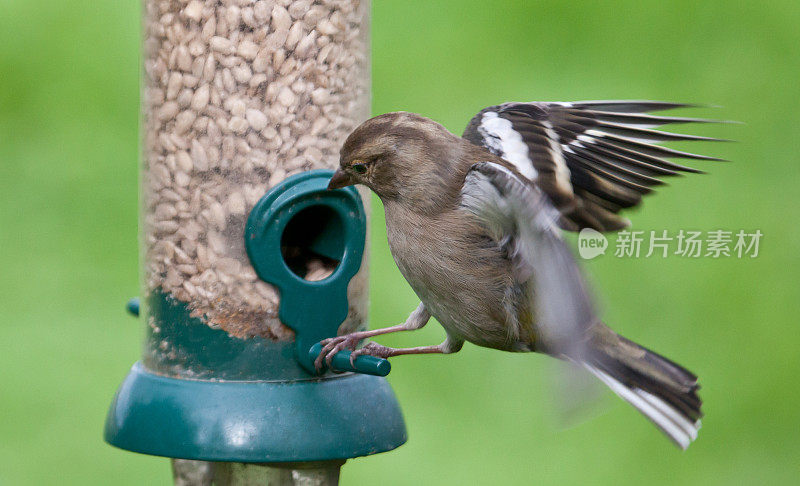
(359, 168)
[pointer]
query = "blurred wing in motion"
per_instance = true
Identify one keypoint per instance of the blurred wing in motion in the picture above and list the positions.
(521, 219)
(519, 216)
(591, 158)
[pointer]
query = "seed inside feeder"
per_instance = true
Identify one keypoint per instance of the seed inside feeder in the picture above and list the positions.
(313, 243)
(239, 95)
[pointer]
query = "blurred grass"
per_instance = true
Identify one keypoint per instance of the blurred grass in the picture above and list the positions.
(68, 250)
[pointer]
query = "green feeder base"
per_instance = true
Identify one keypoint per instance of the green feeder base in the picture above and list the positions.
(337, 417)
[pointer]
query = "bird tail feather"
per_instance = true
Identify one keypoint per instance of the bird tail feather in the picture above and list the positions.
(660, 389)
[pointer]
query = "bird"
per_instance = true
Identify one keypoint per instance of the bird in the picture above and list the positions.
(474, 224)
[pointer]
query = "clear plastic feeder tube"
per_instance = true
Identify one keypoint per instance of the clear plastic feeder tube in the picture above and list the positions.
(238, 95)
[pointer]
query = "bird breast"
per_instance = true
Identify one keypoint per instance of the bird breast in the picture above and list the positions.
(461, 275)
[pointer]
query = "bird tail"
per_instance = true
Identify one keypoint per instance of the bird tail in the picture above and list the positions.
(665, 392)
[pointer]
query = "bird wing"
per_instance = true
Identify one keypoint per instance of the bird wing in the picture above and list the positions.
(591, 158)
(519, 216)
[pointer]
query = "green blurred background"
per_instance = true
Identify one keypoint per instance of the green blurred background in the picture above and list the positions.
(68, 240)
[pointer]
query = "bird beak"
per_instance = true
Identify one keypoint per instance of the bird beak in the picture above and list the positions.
(340, 179)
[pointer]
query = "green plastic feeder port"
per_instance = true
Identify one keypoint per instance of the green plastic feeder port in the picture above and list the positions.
(200, 394)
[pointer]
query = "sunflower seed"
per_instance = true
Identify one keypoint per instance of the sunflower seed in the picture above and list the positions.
(239, 95)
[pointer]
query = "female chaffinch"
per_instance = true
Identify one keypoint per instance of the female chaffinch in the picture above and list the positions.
(473, 225)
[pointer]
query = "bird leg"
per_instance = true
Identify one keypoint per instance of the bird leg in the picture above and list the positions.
(331, 346)
(450, 345)
(380, 351)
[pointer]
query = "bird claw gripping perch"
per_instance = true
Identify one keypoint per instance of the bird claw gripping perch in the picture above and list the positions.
(341, 362)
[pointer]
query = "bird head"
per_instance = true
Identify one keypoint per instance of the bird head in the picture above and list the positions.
(400, 156)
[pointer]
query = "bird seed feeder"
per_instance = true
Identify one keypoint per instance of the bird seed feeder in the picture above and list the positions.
(248, 261)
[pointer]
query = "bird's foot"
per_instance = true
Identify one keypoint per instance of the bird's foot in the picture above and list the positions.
(371, 349)
(333, 345)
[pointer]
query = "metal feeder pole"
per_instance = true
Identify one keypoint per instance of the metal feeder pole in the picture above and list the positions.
(200, 473)
(248, 261)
